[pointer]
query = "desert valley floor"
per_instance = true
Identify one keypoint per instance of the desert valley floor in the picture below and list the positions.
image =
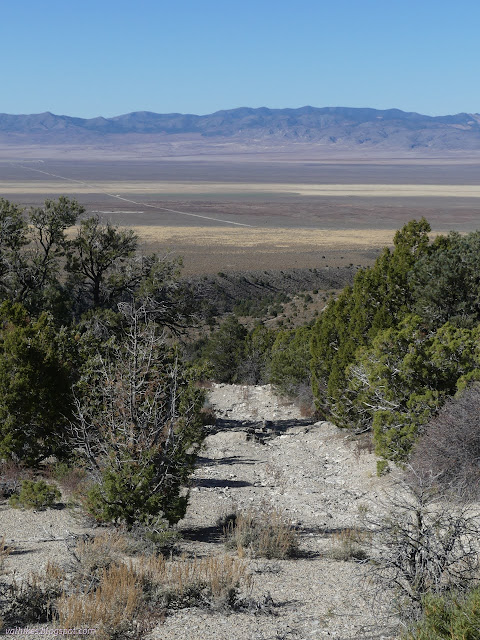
(262, 214)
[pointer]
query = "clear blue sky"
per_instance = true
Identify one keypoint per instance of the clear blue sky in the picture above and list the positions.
(107, 57)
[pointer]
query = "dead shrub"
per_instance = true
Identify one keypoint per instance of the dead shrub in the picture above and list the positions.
(303, 399)
(307, 410)
(246, 393)
(33, 599)
(348, 544)
(263, 533)
(94, 555)
(449, 449)
(11, 476)
(424, 545)
(363, 445)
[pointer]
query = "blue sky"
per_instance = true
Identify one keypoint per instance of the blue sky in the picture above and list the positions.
(88, 58)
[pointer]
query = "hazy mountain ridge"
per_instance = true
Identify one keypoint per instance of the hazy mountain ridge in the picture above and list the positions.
(332, 126)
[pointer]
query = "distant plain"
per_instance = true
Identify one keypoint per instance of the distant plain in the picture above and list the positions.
(268, 213)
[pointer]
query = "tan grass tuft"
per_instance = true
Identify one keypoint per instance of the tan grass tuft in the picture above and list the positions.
(265, 533)
(112, 609)
(213, 581)
(122, 602)
(94, 555)
(348, 544)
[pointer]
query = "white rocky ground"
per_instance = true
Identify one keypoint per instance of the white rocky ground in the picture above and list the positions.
(312, 472)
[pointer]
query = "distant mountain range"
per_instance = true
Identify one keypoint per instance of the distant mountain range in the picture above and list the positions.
(338, 127)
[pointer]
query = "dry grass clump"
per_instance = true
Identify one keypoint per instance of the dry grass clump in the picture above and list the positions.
(265, 533)
(123, 598)
(213, 582)
(94, 555)
(130, 598)
(348, 544)
(33, 599)
(113, 545)
(115, 608)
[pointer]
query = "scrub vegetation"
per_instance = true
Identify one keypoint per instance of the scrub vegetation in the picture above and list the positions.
(105, 355)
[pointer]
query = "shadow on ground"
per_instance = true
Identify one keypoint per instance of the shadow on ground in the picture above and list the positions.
(215, 482)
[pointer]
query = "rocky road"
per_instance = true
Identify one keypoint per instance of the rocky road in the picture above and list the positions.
(261, 452)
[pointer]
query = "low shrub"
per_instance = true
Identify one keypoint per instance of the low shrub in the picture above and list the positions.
(449, 617)
(348, 544)
(72, 478)
(363, 445)
(35, 495)
(382, 467)
(33, 600)
(5, 551)
(94, 555)
(11, 476)
(208, 415)
(154, 536)
(264, 534)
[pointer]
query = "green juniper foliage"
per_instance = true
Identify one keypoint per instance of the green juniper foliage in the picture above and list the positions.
(389, 351)
(89, 368)
(225, 351)
(138, 423)
(35, 495)
(255, 368)
(379, 298)
(382, 357)
(449, 617)
(36, 377)
(290, 359)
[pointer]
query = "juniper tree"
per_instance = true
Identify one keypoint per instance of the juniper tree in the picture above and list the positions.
(395, 385)
(98, 261)
(380, 297)
(137, 423)
(225, 350)
(36, 376)
(290, 367)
